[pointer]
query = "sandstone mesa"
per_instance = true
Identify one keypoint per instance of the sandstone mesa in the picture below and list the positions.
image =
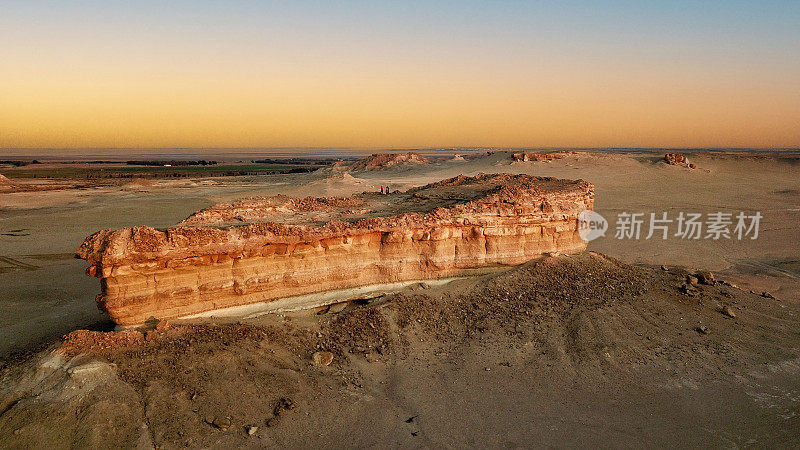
(259, 250)
(526, 156)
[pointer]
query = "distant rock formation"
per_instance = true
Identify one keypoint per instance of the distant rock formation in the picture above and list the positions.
(378, 161)
(678, 159)
(526, 156)
(257, 251)
(8, 186)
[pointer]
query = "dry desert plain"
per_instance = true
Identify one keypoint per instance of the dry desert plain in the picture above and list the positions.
(606, 347)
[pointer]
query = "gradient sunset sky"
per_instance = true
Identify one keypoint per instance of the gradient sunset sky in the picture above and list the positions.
(399, 74)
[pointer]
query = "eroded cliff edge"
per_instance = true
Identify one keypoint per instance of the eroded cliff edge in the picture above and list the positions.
(263, 249)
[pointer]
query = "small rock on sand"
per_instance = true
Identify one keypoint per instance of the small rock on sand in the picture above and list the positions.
(705, 277)
(322, 358)
(222, 424)
(251, 430)
(702, 329)
(728, 311)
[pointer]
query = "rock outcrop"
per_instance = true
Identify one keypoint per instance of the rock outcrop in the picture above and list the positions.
(6, 184)
(678, 159)
(378, 161)
(257, 251)
(525, 156)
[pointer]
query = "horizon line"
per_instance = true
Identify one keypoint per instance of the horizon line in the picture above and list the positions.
(477, 147)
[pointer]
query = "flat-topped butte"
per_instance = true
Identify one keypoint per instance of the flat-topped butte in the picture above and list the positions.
(257, 251)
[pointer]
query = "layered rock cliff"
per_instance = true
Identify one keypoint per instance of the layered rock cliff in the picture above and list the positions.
(526, 156)
(259, 250)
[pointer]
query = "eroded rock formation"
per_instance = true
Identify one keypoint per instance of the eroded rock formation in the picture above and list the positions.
(379, 161)
(259, 250)
(526, 156)
(678, 159)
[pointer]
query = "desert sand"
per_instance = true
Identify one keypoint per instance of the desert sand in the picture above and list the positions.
(582, 349)
(45, 293)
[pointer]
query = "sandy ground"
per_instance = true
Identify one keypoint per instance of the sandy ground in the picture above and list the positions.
(568, 351)
(571, 351)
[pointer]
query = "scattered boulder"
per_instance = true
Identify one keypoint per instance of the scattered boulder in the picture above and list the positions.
(222, 424)
(678, 159)
(702, 329)
(705, 277)
(766, 294)
(728, 311)
(219, 423)
(322, 358)
(691, 280)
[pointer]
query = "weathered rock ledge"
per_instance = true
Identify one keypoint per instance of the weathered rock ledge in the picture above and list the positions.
(527, 156)
(261, 250)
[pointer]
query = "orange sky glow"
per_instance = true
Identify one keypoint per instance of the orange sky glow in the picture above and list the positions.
(332, 81)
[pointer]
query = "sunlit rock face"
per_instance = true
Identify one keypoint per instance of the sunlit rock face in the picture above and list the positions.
(259, 250)
(527, 156)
